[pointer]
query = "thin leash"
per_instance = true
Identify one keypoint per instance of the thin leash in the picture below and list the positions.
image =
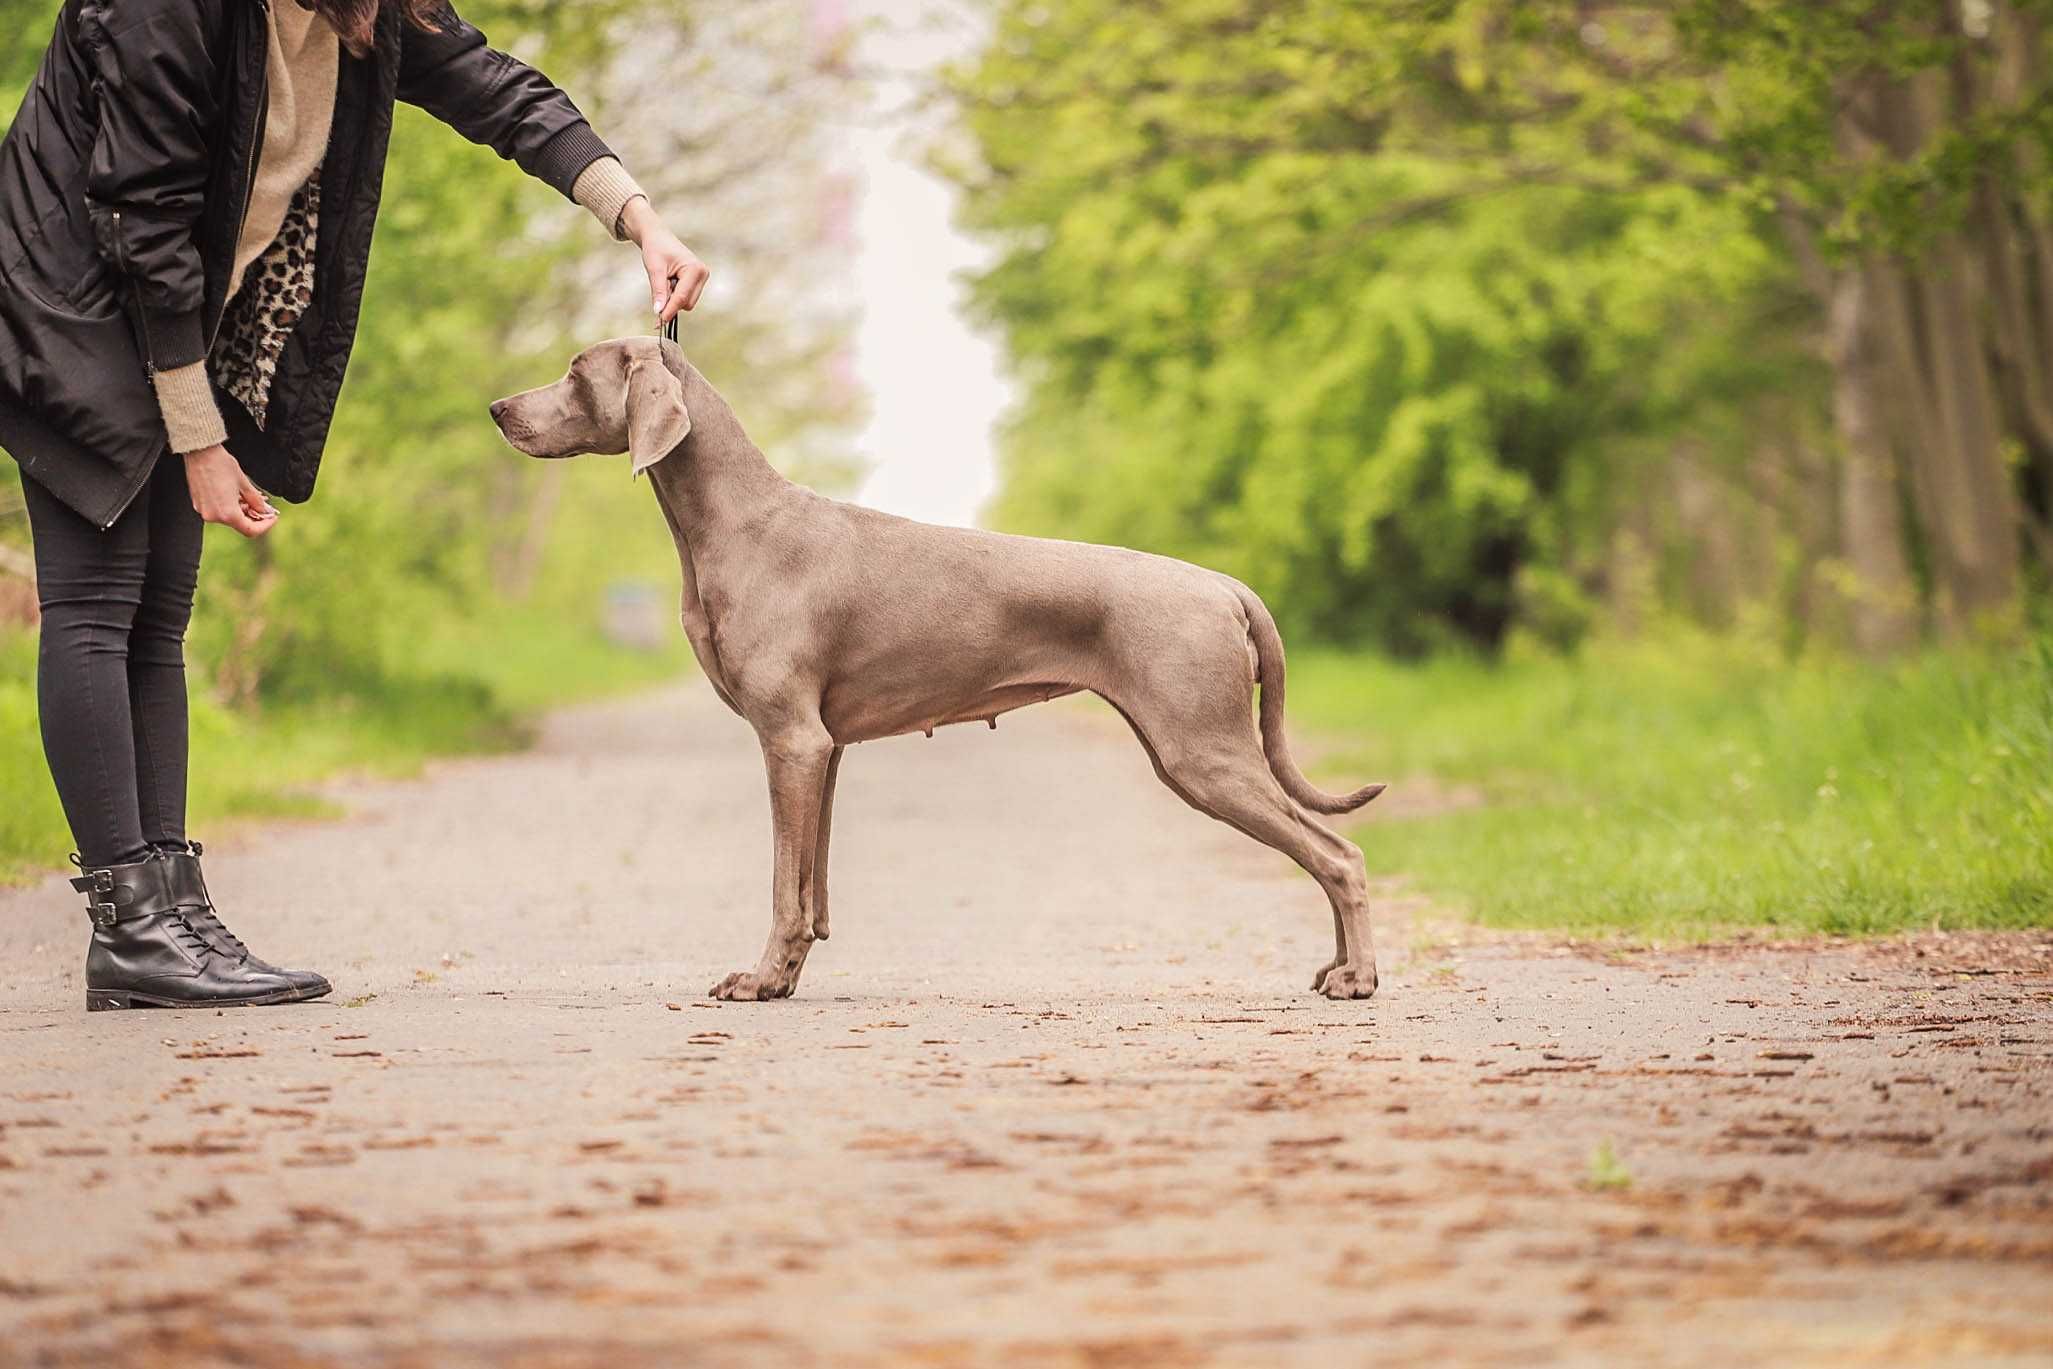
(669, 330)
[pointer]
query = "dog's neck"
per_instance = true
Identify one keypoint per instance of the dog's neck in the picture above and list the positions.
(717, 480)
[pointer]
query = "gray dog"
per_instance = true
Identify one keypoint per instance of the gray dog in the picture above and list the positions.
(824, 624)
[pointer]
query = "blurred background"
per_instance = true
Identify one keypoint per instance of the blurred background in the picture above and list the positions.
(1639, 417)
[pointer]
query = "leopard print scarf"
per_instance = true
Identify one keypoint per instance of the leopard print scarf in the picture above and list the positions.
(274, 297)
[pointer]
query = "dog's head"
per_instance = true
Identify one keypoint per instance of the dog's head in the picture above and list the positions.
(619, 396)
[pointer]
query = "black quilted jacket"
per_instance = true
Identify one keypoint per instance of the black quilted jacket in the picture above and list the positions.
(123, 184)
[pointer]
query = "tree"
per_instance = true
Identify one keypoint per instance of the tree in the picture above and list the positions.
(1390, 305)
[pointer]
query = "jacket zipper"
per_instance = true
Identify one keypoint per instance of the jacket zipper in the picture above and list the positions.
(142, 320)
(248, 194)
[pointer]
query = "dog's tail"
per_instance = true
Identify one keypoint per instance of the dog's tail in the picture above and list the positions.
(1268, 642)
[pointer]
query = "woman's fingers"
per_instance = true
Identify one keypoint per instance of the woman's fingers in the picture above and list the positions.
(676, 276)
(659, 284)
(254, 500)
(673, 292)
(685, 287)
(222, 493)
(242, 520)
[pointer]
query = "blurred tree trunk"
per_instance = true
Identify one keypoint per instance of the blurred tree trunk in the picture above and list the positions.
(1973, 515)
(526, 499)
(1879, 591)
(2017, 247)
(1941, 387)
(1883, 597)
(239, 679)
(1712, 583)
(1940, 360)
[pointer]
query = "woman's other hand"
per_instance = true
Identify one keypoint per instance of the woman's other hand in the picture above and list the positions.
(221, 493)
(676, 275)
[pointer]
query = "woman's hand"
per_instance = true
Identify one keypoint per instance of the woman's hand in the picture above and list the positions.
(676, 275)
(221, 493)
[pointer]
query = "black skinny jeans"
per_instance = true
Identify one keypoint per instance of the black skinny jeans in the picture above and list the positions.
(110, 676)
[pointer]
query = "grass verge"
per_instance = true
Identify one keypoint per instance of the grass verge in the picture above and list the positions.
(474, 688)
(1691, 788)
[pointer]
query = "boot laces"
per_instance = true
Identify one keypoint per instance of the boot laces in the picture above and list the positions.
(182, 927)
(210, 921)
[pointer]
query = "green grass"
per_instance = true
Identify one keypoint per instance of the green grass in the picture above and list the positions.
(1606, 1171)
(1690, 788)
(473, 687)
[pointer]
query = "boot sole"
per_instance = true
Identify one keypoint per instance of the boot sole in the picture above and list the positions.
(117, 1000)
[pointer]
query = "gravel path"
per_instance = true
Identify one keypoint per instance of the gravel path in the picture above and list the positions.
(1054, 1094)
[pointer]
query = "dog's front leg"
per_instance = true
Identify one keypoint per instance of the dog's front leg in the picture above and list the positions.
(797, 759)
(816, 874)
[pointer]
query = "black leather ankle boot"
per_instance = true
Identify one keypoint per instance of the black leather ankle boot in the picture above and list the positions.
(189, 890)
(146, 954)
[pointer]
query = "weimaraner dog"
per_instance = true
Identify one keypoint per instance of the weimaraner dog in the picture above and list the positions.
(824, 624)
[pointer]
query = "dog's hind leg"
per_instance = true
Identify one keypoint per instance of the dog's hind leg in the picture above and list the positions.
(1238, 789)
(1212, 758)
(816, 874)
(798, 759)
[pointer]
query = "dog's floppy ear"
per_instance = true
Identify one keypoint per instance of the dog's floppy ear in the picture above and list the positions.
(656, 417)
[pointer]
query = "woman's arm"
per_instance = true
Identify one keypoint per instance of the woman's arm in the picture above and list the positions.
(676, 275)
(155, 76)
(146, 183)
(496, 100)
(505, 104)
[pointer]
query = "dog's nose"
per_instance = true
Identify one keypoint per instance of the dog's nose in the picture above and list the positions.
(498, 409)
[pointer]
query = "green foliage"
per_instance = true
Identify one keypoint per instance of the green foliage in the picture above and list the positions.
(1393, 310)
(1274, 316)
(25, 28)
(1688, 786)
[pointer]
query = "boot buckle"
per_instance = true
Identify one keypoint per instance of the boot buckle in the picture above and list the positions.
(95, 882)
(103, 914)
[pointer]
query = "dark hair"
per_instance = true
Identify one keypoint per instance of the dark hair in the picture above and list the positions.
(355, 21)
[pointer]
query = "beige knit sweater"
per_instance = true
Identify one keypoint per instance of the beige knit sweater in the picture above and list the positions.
(304, 59)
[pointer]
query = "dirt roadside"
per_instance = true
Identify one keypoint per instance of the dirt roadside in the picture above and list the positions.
(1054, 1094)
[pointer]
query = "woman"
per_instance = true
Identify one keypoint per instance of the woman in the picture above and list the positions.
(186, 205)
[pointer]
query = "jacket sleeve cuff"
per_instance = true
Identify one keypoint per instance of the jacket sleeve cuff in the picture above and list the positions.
(604, 187)
(192, 420)
(174, 339)
(564, 157)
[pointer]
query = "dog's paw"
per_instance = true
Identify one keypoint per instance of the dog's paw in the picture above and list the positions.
(1319, 979)
(747, 987)
(1348, 981)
